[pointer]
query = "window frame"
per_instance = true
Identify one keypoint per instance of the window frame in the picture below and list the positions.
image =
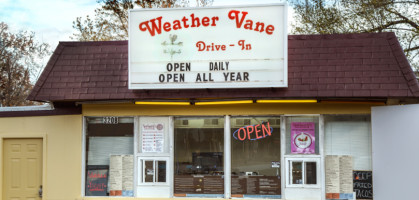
(140, 176)
(84, 151)
(288, 172)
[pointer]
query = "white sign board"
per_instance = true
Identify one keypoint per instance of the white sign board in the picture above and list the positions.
(152, 138)
(214, 47)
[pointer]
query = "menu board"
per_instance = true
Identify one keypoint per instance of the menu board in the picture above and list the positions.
(115, 175)
(128, 175)
(363, 184)
(338, 175)
(97, 182)
(152, 135)
(332, 174)
(121, 174)
(345, 176)
(257, 185)
(190, 184)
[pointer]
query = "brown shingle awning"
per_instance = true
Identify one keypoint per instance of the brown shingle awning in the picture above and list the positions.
(338, 66)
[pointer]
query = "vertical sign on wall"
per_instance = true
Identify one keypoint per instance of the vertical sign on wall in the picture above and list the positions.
(303, 138)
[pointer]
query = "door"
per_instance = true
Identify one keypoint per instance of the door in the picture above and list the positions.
(22, 169)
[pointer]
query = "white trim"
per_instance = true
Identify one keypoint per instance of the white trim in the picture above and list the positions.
(283, 150)
(322, 160)
(227, 157)
(83, 156)
(136, 140)
(27, 108)
(170, 166)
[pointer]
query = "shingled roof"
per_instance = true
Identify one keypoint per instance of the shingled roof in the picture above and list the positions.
(338, 66)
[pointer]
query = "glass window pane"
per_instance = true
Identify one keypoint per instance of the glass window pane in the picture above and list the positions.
(105, 136)
(161, 171)
(148, 171)
(297, 172)
(311, 173)
(255, 156)
(349, 135)
(198, 160)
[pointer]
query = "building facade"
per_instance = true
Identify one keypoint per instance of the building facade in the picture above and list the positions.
(309, 140)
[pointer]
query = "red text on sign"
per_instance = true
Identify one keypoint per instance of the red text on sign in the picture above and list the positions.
(249, 25)
(154, 26)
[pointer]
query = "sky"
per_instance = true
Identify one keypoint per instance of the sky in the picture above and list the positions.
(52, 20)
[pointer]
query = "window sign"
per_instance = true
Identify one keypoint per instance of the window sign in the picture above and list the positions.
(253, 132)
(152, 138)
(303, 138)
(217, 47)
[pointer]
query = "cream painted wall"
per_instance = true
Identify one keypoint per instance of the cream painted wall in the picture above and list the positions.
(62, 150)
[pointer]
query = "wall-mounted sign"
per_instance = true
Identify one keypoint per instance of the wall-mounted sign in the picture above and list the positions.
(214, 47)
(303, 138)
(110, 120)
(253, 132)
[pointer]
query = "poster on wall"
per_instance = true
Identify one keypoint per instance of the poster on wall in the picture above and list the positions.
(303, 138)
(152, 138)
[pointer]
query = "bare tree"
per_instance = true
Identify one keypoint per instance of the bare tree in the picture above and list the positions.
(361, 16)
(111, 19)
(19, 59)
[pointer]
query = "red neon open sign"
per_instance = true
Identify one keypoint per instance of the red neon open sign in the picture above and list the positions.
(253, 132)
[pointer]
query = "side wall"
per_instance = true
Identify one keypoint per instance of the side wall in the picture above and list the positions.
(394, 144)
(62, 150)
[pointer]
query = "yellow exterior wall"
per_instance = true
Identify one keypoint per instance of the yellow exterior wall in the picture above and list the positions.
(62, 144)
(130, 109)
(62, 135)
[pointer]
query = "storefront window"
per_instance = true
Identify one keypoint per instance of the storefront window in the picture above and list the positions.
(349, 135)
(109, 154)
(255, 156)
(199, 156)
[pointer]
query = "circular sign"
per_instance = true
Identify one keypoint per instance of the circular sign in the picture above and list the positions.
(159, 127)
(302, 140)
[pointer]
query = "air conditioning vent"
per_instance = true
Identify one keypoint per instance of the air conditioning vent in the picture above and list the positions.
(243, 122)
(210, 122)
(180, 123)
(274, 121)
